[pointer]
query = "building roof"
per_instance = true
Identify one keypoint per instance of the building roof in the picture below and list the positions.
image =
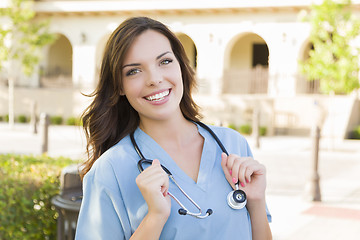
(165, 7)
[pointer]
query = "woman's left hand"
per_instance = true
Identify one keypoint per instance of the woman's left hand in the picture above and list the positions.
(249, 172)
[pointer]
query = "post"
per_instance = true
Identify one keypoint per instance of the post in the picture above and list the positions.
(33, 121)
(256, 126)
(44, 126)
(313, 191)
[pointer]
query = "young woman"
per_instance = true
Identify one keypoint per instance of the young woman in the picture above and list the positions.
(144, 93)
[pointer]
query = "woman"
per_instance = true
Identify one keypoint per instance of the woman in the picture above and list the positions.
(145, 89)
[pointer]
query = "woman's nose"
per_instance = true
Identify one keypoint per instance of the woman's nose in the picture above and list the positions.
(154, 77)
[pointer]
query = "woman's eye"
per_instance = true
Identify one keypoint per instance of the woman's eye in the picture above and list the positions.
(132, 72)
(166, 61)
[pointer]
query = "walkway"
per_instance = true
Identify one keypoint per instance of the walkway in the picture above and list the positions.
(288, 162)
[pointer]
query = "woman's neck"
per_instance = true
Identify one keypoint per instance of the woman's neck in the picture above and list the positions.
(172, 131)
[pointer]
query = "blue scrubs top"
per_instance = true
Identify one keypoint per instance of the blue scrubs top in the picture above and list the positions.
(113, 207)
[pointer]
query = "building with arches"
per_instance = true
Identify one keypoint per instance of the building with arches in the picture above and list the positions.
(246, 55)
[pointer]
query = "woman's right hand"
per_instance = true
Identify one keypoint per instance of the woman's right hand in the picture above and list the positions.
(153, 183)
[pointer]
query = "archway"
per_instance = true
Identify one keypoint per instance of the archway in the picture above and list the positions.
(57, 70)
(246, 66)
(190, 48)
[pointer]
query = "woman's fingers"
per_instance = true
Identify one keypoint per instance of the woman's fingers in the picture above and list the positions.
(153, 180)
(250, 174)
(226, 171)
(240, 169)
(154, 176)
(153, 183)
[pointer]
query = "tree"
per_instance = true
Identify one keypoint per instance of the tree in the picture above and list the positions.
(21, 41)
(334, 58)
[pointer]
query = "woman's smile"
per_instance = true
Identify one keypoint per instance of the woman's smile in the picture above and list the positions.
(158, 96)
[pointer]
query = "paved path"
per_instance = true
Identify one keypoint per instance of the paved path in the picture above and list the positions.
(288, 162)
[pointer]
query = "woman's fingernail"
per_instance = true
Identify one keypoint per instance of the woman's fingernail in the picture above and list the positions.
(234, 180)
(247, 180)
(242, 184)
(230, 172)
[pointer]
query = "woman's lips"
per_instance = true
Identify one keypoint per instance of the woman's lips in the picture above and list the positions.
(158, 96)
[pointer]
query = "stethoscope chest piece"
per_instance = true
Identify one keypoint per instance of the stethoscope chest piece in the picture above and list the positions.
(236, 199)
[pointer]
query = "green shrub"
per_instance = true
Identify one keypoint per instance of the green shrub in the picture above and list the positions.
(232, 126)
(27, 185)
(6, 118)
(73, 121)
(245, 129)
(355, 134)
(262, 131)
(1, 118)
(22, 119)
(56, 120)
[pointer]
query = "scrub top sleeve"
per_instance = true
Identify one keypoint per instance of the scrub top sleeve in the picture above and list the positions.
(99, 213)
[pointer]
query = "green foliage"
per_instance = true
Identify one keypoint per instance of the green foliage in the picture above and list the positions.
(22, 119)
(27, 185)
(232, 126)
(56, 120)
(245, 129)
(73, 121)
(355, 134)
(262, 131)
(334, 60)
(21, 36)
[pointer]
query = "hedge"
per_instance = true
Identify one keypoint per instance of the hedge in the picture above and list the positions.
(355, 134)
(27, 185)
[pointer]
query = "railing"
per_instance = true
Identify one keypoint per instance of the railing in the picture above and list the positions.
(56, 81)
(256, 81)
(249, 81)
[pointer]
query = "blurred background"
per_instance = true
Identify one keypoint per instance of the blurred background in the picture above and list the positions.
(283, 73)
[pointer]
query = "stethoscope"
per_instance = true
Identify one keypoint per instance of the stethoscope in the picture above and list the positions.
(236, 199)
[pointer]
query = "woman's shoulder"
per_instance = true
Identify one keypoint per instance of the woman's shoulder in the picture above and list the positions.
(114, 162)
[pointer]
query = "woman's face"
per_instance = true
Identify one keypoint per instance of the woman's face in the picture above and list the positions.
(152, 80)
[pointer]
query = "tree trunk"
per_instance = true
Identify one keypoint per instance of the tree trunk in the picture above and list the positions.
(11, 103)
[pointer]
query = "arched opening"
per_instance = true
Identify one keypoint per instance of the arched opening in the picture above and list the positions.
(246, 69)
(190, 48)
(57, 71)
(303, 84)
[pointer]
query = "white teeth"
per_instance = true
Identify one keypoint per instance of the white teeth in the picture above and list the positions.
(158, 96)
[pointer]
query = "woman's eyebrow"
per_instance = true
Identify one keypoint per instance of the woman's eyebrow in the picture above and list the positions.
(131, 65)
(138, 64)
(162, 54)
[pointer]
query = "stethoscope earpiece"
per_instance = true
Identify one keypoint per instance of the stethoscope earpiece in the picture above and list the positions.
(236, 199)
(209, 211)
(182, 211)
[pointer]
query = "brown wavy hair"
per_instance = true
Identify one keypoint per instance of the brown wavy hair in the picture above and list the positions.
(110, 117)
